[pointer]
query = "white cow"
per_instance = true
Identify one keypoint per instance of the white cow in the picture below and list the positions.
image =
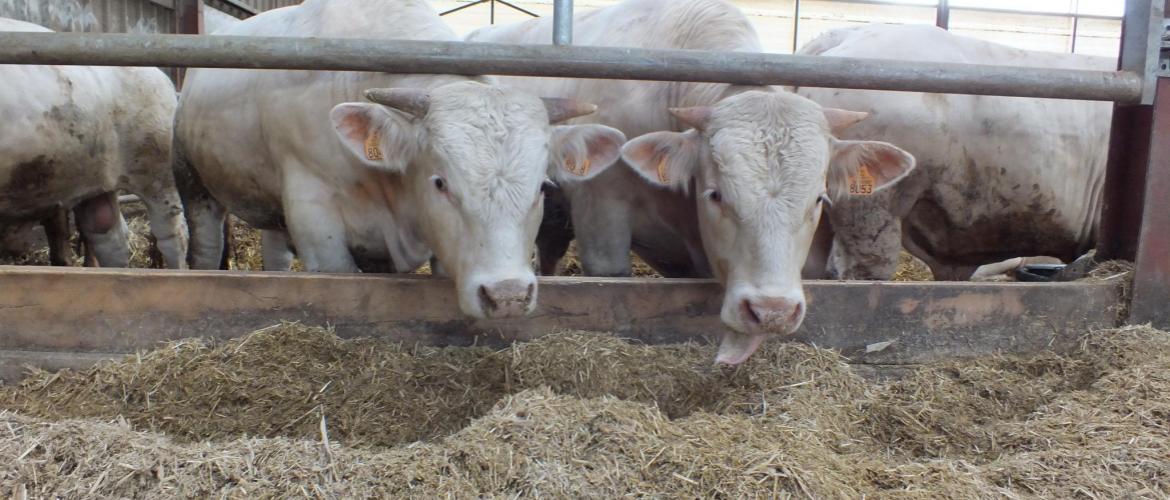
(73, 135)
(997, 177)
(215, 20)
(444, 164)
(730, 182)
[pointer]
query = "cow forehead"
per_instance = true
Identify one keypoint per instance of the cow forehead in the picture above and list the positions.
(490, 108)
(777, 108)
(492, 145)
(769, 143)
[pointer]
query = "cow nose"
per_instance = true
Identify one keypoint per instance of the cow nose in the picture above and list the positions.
(776, 315)
(833, 273)
(507, 298)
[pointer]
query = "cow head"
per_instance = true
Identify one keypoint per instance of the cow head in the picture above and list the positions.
(474, 158)
(763, 165)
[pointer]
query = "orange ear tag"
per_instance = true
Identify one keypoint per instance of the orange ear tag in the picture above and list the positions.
(662, 171)
(571, 166)
(372, 150)
(862, 183)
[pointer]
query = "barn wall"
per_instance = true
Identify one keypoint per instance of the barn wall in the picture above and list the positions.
(110, 16)
(263, 5)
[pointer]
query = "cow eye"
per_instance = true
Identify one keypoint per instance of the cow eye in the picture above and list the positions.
(439, 183)
(547, 186)
(824, 200)
(714, 196)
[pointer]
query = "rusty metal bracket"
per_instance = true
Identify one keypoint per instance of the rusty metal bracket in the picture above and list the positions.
(1150, 301)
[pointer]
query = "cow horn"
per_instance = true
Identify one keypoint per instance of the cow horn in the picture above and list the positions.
(696, 117)
(560, 109)
(840, 119)
(413, 101)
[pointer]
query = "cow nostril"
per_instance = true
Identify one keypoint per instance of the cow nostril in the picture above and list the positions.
(796, 312)
(486, 300)
(750, 313)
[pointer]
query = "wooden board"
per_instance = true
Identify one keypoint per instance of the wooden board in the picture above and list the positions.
(50, 312)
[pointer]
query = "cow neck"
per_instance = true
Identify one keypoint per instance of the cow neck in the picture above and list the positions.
(403, 236)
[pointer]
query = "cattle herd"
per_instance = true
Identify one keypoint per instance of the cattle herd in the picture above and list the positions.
(375, 172)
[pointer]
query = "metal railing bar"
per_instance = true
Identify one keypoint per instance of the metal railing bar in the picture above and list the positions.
(432, 57)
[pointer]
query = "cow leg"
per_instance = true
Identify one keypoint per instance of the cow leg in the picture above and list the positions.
(319, 236)
(57, 233)
(104, 230)
(206, 220)
(278, 254)
(153, 180)
(953, 273)
(603, 237)
(437, 268)
(167, 224)
(316, 228)
(206, 216)
(943, 271)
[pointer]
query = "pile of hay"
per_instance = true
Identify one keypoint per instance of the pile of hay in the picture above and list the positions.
(293, 410)
(910, 268)
(571, 265)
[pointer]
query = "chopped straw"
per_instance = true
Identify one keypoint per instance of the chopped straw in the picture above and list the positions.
(295, 411)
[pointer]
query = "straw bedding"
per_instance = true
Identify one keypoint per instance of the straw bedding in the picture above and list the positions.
(295, 411)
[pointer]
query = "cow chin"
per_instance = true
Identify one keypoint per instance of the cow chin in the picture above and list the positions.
(498, 296)
(753, 316)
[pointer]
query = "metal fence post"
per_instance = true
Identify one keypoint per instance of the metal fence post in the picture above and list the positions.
(1129, 147)
(942, 15)
(188, 21)
(562, 22)
(1151, 283)
(795, 25)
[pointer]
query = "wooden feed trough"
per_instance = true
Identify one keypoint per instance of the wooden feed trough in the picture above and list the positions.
(72, 317)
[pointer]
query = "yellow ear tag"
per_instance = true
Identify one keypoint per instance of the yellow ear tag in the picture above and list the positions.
(662, 171)
(862, 183)
(372, 151)
(571, 166)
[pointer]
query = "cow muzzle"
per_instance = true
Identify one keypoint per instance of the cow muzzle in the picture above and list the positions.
(755, 318)
(507, 298)
(771, 315)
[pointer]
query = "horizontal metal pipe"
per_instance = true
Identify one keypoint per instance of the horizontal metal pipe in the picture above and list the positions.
(410, 56)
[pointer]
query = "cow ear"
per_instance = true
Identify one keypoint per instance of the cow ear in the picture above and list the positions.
(664, 158)
(862, 168)
(579, 152)
(378, 137)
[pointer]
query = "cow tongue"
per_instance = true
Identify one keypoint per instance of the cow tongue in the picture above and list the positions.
(738, 347)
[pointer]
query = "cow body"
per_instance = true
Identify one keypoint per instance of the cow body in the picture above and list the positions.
(215, 20)
(723, 181)
(74, 135)
(450, 165)
(997, 177)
